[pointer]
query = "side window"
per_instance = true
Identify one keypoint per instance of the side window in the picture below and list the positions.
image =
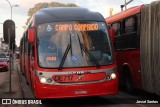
(29, 45)
(116, 27)
(129, 30)
(32, 52)
(119, 38)
(130, 25)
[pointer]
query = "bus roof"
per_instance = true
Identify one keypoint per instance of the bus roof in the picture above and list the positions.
(52, 14)
(126, 13)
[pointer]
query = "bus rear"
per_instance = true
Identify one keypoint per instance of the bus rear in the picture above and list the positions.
(71, 56)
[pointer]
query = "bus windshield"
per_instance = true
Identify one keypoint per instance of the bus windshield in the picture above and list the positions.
(83, 38)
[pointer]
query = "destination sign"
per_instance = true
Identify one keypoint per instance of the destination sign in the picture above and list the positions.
(76, 27)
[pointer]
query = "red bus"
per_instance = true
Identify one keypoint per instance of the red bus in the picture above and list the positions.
(67, 52)
(126, 44)
(134, 47)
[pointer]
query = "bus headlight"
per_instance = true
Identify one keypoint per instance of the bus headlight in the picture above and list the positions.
(44, 80)
(113, 76)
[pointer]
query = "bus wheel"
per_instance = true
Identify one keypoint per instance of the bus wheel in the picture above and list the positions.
(128, 82)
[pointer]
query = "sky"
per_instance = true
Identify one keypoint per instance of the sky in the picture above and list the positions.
(20, 13)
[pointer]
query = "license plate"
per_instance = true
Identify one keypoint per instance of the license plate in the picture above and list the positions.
(79, 78)
(81, 92)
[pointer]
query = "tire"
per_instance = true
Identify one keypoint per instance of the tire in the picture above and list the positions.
(128, 85)
(128, 82)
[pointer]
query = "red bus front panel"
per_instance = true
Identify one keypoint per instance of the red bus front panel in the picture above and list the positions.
(76, 83)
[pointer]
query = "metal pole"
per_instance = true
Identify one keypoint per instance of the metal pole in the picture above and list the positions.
(11, 12)
(125, 5)
(12, 58)
(10, 7)
(129, 2)
(9, 62)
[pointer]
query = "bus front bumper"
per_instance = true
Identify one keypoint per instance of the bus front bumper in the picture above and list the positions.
(43, 91)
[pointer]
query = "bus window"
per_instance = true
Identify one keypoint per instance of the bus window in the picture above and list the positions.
(116, 27)
(32, 51)
(130, 33)
(119, 39)
(130, 25)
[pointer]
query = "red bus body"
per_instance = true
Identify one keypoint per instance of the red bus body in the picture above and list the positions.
(94, 81)
(128, 59)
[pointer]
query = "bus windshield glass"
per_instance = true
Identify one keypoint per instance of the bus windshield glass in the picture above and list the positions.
(83, 38)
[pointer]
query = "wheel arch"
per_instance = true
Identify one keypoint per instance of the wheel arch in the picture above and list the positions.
(127, 69)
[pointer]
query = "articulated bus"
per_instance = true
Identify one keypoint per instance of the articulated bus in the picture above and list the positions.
(126, 25)
(67, 52)
(136, 45)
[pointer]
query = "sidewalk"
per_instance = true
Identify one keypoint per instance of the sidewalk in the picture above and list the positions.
(16, 91)
(2, 77)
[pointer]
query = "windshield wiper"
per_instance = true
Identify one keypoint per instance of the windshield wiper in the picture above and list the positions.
(64, 57)
(80, 44)
(88, 52)
(71, 44)
(65, 54)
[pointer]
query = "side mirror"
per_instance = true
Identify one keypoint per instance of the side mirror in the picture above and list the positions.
(112, 33)
(31, 35)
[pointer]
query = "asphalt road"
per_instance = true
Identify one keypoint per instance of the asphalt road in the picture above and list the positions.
(123, 99)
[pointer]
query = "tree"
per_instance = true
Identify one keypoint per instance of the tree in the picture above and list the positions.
(44, 5)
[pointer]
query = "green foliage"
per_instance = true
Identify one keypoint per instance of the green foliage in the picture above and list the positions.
(44, 5)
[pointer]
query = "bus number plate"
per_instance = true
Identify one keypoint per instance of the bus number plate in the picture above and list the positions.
(64, 78)
(79, 78)
(81, 92)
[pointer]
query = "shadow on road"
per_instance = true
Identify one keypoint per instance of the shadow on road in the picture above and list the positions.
(79, 102)
(140, 94)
